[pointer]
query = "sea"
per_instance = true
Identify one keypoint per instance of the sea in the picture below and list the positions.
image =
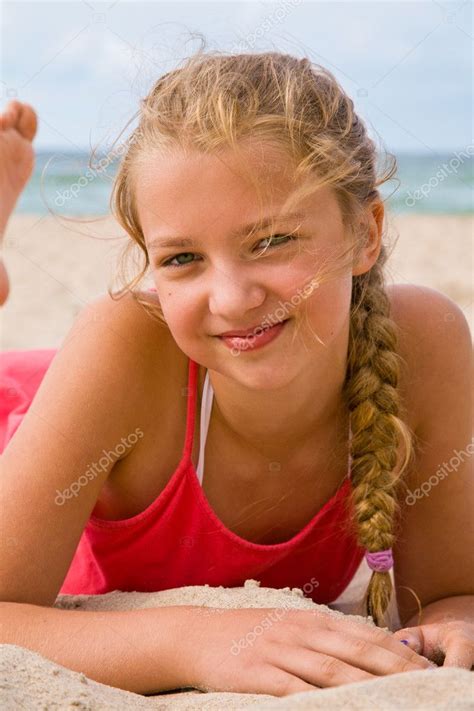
(75, 184)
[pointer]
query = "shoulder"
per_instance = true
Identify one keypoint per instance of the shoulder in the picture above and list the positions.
(134, 327)
(142, 347)
(420, 309)
(437, 507)
(434, 341)
(124, 312)
(126, 349)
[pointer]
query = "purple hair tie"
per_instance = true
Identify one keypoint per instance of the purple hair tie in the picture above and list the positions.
(381, 561)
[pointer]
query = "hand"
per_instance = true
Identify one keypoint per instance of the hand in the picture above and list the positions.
(280, 651)
(452, 640)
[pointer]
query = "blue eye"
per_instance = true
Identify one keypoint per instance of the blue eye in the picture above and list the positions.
(273, 237)
(168, 262)
(183, 254)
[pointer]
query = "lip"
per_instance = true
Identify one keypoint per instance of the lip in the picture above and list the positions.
(247, 332)
(240, 334)
(254, 341)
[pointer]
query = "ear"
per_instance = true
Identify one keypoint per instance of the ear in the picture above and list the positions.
(373, 244)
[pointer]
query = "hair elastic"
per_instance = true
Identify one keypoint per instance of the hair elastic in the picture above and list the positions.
(381, 561)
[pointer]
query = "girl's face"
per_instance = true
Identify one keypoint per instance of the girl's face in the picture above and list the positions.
(209, 285)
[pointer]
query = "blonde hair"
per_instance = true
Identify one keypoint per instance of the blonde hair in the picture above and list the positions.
(217, 101)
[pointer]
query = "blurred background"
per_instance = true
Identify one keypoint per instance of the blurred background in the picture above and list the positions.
(84, 66)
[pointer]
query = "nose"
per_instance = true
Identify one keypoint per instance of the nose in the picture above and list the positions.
(233, 293)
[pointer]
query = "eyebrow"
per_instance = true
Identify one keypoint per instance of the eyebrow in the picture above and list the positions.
(163, 242)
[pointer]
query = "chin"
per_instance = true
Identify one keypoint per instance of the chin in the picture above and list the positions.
(264, 376)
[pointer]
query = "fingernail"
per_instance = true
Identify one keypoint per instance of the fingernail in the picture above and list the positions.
(404, 641)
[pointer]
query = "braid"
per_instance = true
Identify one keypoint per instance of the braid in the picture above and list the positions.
(373, 401)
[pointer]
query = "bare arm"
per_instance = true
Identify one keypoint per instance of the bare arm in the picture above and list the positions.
(94, 393)
(436, 522)
(134, 650)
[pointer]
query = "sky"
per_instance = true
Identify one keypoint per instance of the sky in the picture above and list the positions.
(85, 65)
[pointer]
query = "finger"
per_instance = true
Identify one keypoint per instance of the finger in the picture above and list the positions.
(459, 653)
(380, 638)
(280, 683)
(322, 670)
(411, 637)
(364, 654)
(430, 640)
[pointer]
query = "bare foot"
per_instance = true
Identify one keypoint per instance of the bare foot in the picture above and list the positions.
(18, 125)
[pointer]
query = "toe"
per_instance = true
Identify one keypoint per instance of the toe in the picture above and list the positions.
(28, 122)
(7, 120)
(11, 113)
(4, 284)
(20, 116)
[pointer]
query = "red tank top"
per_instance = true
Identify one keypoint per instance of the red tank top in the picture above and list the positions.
(179, 540)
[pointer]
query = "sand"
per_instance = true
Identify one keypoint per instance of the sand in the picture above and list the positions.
(29, 681)
(56, 268)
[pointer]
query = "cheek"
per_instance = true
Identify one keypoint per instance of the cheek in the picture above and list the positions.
(295, 280)
(327, 306)
(179, 313)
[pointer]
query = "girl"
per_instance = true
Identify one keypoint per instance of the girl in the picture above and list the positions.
(200, 432)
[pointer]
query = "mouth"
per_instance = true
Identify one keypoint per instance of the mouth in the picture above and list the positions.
(249, 331)
(254, 341)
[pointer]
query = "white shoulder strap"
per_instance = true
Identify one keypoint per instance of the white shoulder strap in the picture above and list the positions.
(206, 407)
